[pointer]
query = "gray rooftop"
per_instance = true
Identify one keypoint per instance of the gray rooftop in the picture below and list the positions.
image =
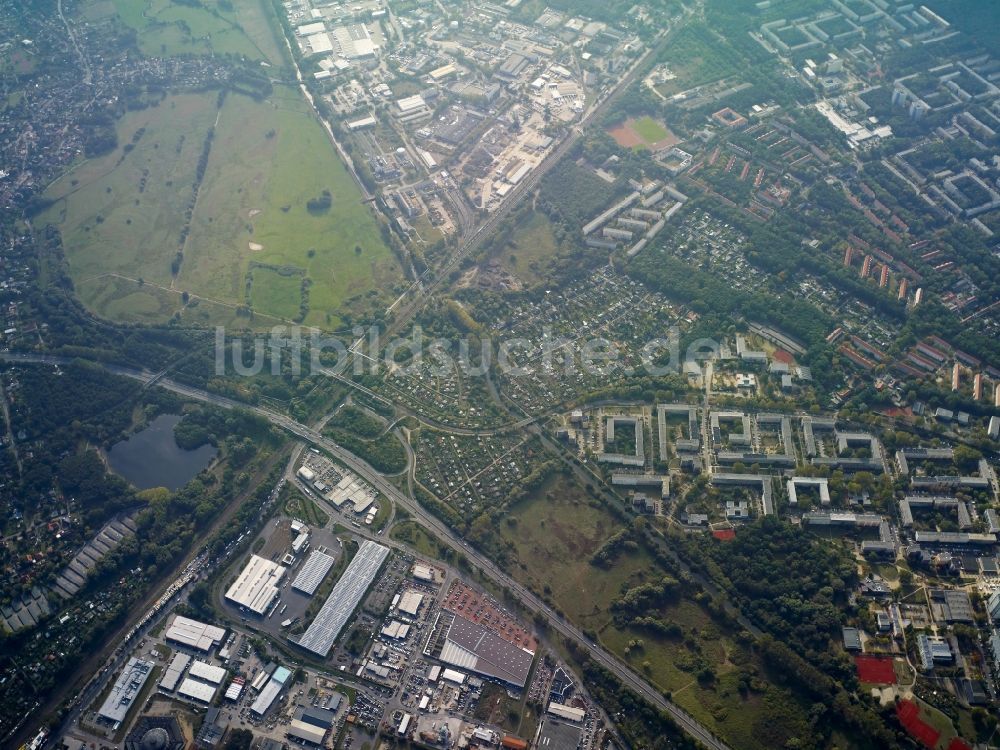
(344, 599)
(495, 657)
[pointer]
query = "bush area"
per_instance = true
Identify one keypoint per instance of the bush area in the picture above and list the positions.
(384, 453)
(573, 195)
(794, 586)
(356, 421)
(789, 582)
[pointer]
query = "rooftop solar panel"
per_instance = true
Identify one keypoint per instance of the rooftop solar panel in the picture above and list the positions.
(313, 572)
(344, 599)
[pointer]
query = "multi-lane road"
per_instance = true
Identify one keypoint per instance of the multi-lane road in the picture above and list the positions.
(444, 533)
(404, 309)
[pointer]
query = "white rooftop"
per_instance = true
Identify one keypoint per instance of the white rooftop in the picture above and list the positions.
(194, 634)
(199, 691)
(257, 585)
(207, 672)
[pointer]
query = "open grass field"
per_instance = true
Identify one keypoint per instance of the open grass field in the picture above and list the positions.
(252, 240)
(650, 129)
(531, 248)
(267, 162)
(557, 531)
(278, 293)
(418, 538)
(121, 215)
(558, 528)
(244, 28)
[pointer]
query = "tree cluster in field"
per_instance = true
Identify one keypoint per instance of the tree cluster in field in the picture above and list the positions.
(321, 203)
(357, 421)
(573, 195)
(619, 542)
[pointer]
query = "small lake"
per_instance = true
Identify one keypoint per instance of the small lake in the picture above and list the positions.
(152, 458)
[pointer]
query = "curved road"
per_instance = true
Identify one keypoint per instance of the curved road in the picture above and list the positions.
(387, 488)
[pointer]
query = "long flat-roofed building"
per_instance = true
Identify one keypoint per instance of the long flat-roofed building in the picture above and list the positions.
(396, 630)
(848, 520)
(207, 672)
(197, 690)
(310, 725)
(266, 697)
(354, 41)
(344, 599)
(411, 103)
(475, 647)
(125, 690)
(422, 572)
(323, 718)
(193, 634)
(570, 713)
(305, 733)
(174, 670)
(257, 585)
(409, 603)
(309, 29)
(954, 539)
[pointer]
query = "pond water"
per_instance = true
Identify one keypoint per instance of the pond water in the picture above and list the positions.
(152, 458)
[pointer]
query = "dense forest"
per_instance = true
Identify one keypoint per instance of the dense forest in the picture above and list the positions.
(791, 583)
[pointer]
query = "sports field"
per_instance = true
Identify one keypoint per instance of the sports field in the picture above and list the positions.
(875, 670)
(644, 132)
(251, 239)
(651, 130)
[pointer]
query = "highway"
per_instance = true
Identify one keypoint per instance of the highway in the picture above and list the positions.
(444, 533)
(417, 295)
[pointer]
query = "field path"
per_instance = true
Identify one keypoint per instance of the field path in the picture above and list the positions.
(194, 212)
(191, 295)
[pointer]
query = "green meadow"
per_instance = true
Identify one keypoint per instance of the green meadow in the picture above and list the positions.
(247, 235)
(650, 130)
(244, 28)
(554, 532)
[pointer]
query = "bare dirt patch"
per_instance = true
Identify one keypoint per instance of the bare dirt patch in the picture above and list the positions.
(626, 137)
(669, 141)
